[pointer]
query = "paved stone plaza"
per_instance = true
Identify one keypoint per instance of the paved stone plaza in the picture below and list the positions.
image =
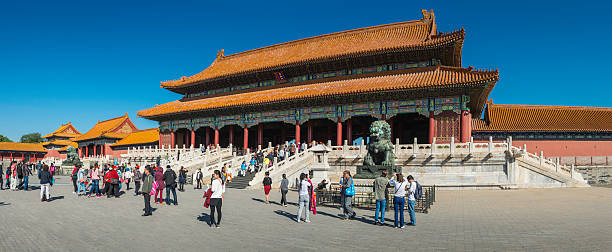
(516, 220)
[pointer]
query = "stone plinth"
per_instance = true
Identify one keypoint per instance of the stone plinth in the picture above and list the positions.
(374, 171)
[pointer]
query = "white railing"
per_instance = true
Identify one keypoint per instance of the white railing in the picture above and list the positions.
(298, 160)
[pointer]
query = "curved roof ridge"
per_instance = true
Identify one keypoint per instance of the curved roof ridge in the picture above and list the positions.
(555, 107)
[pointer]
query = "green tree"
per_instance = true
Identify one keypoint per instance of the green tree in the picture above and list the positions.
(4, 139)
(31, 138)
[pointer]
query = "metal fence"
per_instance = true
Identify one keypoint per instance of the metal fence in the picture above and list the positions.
(331, 197)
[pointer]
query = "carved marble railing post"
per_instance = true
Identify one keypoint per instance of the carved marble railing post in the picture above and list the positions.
(415, 147)
(490, 144)
(510, 144)
(572, 171)
(396, 148)
(557, 165)
(541, 159)
(433, 146)
(452, 145)
(471, 145)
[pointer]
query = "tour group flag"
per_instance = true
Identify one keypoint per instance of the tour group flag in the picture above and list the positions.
(280, 77)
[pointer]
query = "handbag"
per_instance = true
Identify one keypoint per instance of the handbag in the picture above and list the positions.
(153, 188)
(114, 181)
(350, 191)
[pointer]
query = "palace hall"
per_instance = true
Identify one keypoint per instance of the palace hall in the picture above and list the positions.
(332, 87)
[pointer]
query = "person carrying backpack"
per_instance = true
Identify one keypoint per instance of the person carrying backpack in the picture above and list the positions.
(169, 178)
(414, 194)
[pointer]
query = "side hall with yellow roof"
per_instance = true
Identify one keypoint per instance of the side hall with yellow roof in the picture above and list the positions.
(98, 140)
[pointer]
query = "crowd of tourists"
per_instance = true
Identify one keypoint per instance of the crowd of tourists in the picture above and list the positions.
(16, 175)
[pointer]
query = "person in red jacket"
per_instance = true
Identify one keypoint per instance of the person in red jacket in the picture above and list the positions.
(112, 178)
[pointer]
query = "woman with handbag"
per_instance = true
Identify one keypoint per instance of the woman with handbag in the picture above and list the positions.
(159, 178)
(304, 198)
(399, 199)
(112, 179)
(216, 199)
(348, 191)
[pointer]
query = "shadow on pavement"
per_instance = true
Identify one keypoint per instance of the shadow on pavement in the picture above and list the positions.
(2, 203)
(56, 198)
(286, 214)
(204, 217)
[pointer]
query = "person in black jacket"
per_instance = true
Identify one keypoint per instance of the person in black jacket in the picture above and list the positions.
(45, 183)
(170, 181)
(1, 180)
(182, 178)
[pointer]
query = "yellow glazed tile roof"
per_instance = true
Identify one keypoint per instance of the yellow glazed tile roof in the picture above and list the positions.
(22, 147)
(66, 130)
(139, 137)
(431, 77)
(418, 34)
(109, 128)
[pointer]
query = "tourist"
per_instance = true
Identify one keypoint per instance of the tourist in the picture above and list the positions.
(243, 168)
(216, 199)
(322, 185)
(45, 183)
(398, 199)
(304, 198)
(266, 163)
(199, 176)
(182, 179)
(52, 169)
(20, 175)
(267, 183)
(147, 186)
(26, 174)
(412, 190)
(252, 164)
(228, 174)
(1, 179)
(95, 181)
(347, 183)
(112, 179)
(170, 181)
(380, 195)
(81, 179)
(127, 178)
(75, 177)
(137, 178)
(284, 188)
(159, 178)
(14, 176)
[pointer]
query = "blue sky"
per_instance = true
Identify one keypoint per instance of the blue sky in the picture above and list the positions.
(84, 61)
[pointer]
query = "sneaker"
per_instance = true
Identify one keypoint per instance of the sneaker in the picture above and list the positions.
(218, 226)
(307, 221)
(411, 224)
(402, 226)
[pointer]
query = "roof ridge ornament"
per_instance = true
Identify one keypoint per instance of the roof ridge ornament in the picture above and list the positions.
(221, 54)
(431, 17)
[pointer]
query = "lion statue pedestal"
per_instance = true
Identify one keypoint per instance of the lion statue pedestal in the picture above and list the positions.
(380, 152)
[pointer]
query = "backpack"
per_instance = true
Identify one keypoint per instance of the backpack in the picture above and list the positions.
(418, 193)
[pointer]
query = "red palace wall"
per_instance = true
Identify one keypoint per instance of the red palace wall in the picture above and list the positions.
(567, 148)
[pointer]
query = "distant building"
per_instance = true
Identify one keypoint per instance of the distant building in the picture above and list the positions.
(147, 138)
(58, 141)
(98, 140)
(29, 152)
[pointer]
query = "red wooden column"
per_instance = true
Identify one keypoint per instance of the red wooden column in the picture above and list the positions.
(172, 140)
(309, 131)
(339, 133)
(159, 143)
(192, 142)
(466, 126)
(216, 136)
(432, 127)
(80, 153)
(207, 136)
(87, 150)
(245, 138)
(349, 131)
(185, 140)
(260, 135)
(297, 132)
(95, 151)
(231, 134)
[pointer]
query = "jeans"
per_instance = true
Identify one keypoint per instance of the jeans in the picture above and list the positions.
(398, 206)
(74, 184)
(284, 197)
(137, 187)
(14, 183)
(380, 207)
(304, 205)
(95, 185)
(113, 190)
(199, 184)
(348, 209)
(215, 203)
(25, 182)
(411, 204)
(44, 191)
(81, 186)
(168, 189)
(147, 202)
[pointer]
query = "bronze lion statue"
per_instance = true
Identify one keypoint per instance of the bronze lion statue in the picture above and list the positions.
(380, 148)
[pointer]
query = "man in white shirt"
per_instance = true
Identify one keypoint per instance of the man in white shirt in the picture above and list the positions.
(411, 200)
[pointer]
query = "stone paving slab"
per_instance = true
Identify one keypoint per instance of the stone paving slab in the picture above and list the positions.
(574, 219)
